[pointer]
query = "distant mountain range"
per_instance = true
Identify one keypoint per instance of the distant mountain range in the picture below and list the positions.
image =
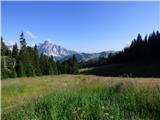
(61, 54)
(50, 49)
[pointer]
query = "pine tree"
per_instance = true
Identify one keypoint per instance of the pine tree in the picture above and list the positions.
(50, 69)
(59, 67)
(15, 51)
(54, 66)
(22, 41)
(26, 56)
(44, 64)
(37, 61)
(4, 49)
(70, 66)
(75, 65)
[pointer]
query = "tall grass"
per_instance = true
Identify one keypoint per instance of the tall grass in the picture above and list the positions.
(119, 101)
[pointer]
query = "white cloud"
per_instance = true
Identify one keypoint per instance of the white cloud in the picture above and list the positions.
(31, 34)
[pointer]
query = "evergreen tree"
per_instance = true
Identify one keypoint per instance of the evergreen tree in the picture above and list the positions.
(44, 64)
(53, 65)
(26, 56)
(20, 69)
(59, 67)
(74, 65)
(50, 69)
(4, 49)
(69, 66)
(22, 41)
(15, 51)
(37, 61)
(140, 51)
(7, 69)
(30, 63)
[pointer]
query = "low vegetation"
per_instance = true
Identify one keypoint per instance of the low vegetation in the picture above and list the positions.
(80, 97)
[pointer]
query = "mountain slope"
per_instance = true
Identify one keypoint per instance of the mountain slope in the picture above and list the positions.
(50, 49)
(62, 54)
(88, 56)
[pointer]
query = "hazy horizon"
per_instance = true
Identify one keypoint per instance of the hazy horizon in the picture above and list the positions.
(80, 26)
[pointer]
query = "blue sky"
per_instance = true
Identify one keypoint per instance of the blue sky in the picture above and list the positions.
(81, 26)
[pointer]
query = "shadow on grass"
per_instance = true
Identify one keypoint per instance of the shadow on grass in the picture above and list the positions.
(125, 70)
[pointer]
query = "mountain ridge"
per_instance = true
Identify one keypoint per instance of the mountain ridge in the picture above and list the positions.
(61, 54)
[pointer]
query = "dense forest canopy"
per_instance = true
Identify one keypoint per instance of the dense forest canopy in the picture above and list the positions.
(145, 50)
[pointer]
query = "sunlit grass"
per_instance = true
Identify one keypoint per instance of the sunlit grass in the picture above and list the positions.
(80, 97)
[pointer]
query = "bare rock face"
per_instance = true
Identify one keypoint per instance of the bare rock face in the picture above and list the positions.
(50, 49)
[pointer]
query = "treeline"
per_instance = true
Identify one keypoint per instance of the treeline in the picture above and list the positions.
(26, 61)
(142, 51)
(69, 66)
(145, 51)
(93, 62)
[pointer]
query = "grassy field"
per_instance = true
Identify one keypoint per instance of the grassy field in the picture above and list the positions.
(80, 97)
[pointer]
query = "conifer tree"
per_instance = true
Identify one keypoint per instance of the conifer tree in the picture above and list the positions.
(37, 61)
(15, 51)
(20, 69)
(54, 66)
(4, 49)
(22, 41)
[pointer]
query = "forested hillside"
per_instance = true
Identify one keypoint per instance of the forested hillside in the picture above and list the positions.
(145, 50)
(141, 51)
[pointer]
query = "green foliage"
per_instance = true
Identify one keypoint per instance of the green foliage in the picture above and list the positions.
(7, 67)
(26, 57)
(4, 73)
(44, 64)
(20, 69)
(37, 61)
(15, 51)
(69, 66)
(93, 62)
(27, 61)
(12, 73)
(118, 102)
(51, 66)
(4, 49)
(140, 51)
(22, 41)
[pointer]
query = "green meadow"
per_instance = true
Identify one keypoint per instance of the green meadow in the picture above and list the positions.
(80, 97)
